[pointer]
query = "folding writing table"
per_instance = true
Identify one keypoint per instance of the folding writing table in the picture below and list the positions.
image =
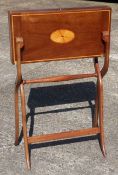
(61, 34)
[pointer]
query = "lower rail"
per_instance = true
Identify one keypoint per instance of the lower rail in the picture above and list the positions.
(63, 135)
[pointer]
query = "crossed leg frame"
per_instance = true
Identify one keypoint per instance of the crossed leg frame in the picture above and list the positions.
(97, 127)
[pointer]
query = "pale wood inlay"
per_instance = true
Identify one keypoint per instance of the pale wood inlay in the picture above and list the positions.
(62, 36)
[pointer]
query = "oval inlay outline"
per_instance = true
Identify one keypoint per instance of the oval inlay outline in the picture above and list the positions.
(62, 36)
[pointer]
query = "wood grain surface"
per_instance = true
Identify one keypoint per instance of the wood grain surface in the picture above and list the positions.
(41, 32)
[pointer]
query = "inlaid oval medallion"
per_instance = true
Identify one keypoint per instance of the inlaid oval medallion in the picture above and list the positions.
(62, 36)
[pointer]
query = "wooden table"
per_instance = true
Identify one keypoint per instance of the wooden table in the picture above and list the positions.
(61, 34)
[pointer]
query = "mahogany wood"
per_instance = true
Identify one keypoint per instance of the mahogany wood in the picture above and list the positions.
(63, 135)
(36, 27)
(16, 114)
(60, 78)
(24, 126)
(100, 101)
(59, 35)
